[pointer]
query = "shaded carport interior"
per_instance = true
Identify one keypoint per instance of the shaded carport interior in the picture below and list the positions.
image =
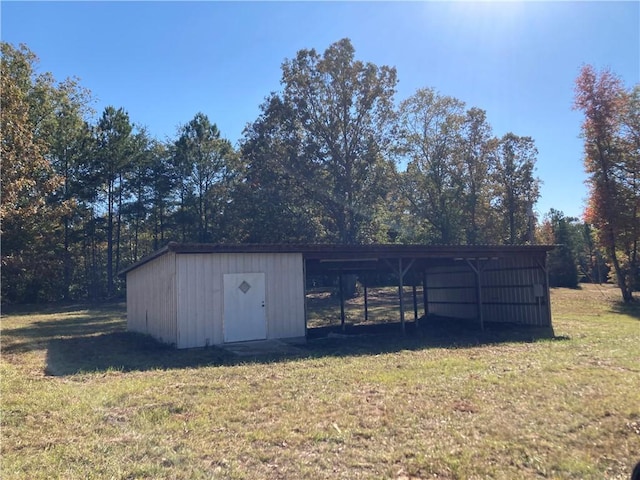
(476, 280)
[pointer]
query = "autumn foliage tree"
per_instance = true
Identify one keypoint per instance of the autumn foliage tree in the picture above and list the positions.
(28, 217)
(612, 161)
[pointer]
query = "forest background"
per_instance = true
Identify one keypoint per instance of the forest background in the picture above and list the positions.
(333, 157)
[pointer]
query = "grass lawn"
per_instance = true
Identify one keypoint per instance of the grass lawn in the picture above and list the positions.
(81, 398)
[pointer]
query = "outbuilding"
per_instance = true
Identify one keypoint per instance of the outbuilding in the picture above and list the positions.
(194, 295)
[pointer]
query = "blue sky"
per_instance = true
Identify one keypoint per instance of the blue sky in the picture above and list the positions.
(165, 61)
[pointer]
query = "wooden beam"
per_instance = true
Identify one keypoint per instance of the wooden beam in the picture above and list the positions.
(413, 260)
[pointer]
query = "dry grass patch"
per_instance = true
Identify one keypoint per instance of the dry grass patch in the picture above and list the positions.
(368, 407)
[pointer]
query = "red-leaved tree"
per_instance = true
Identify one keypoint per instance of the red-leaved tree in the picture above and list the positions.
(612, 161)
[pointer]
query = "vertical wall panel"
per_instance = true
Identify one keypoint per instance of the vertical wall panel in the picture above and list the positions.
(151, 306)
(197, 300)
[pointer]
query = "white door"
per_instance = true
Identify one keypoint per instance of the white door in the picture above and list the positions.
(244, 310)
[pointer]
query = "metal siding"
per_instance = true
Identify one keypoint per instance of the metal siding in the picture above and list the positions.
(151, 306)
(200, 295)
(285, 296)
(455, 287)
(507, 291)
(199, 301)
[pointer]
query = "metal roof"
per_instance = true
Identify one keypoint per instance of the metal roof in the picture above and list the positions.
(354, 255)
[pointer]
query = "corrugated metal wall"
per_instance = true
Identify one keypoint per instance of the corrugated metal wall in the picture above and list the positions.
(151, 299)
(509, 292)
(451, 291)
(200, 294)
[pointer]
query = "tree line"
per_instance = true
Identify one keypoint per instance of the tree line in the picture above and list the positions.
(331, 158)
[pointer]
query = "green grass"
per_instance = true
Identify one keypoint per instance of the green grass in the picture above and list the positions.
(81, 398)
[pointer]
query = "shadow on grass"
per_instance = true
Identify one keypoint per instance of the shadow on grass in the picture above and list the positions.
(435, 332)
(126, 351)
(28, 310)
(632, 308)
(87, 339)
(78, 321)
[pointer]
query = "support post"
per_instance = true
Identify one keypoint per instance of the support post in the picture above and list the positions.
(401, 273)
(479, 294)
(425, 295)
(306, 311)
(477, 269)
(400, 292)
(366, 301)
(548, 294)
(415, 302)
(547, 291)
(341, 290)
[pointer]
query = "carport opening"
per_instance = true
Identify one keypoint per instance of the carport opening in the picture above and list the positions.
(400, 295)
(369, 295)
(366, 301)
(350, 292)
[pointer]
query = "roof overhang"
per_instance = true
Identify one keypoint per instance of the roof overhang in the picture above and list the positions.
(330, 257)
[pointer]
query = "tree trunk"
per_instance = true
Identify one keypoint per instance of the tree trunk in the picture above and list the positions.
(110, 240)
(623, 284)
(67, 255)
(349, 287)
(118, 223)
(66, 261)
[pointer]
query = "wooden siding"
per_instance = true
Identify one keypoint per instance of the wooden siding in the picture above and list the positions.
(200, 294)
(151, 305)
(508, 292)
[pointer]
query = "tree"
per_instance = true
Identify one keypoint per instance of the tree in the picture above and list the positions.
(206, 162)
(113, 159)
(429, 137)
(592, 260)
(517, 188)
(342, 108)
(29, 214)
(163, 184)
(562, 260)
(272, 201)
(611, 157)
(153, 185)
(477, 164)
(631, 148)
(136, 209)
(69, 149)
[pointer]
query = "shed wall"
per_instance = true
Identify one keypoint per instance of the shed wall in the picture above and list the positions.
(508, 292)
(151, 299)
(200, 294)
